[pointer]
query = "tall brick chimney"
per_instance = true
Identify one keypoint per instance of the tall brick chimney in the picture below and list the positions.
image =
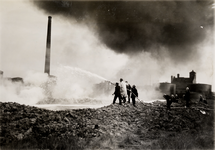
(48, 47)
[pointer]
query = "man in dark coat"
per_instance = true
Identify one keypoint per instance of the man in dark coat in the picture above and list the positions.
(134, 94)
(117, 94)
(128, 87)
(187, 97)
(169, 100)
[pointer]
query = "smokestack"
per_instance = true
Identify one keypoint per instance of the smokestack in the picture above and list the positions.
(172, 78)
(48, 47)
(178, 75)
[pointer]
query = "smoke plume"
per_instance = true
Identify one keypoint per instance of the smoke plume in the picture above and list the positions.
(134, 26)
(71, 86)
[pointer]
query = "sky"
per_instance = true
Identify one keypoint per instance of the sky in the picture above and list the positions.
(141, 42)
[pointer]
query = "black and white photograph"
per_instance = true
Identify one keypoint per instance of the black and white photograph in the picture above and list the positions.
(107, 74)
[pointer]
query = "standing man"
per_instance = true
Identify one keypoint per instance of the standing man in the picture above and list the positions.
(123, 90)
(128, 88)
(117, 94)
(134, 94)
(168, 101)
(187, 97)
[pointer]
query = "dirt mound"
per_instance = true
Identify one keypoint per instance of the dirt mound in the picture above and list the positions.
(115, 126)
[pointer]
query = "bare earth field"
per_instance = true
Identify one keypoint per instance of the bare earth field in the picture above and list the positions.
(147, 126)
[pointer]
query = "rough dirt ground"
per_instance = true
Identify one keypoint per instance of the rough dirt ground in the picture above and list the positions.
(147, 126)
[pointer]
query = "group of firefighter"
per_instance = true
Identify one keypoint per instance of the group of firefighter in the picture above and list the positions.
(174, 98)
(124, 90)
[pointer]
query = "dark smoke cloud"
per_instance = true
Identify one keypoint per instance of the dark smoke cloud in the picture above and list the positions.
(134, 26)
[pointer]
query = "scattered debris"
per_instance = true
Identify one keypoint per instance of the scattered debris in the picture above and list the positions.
(20, 121)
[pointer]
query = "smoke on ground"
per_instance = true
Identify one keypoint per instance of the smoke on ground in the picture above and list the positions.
(28, 94)
(70, 86)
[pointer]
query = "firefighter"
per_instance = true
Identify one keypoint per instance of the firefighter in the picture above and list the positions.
(123, 90)
(134, 93)
(117, 94)
(187, 97)
(168, 101)
(128, 88)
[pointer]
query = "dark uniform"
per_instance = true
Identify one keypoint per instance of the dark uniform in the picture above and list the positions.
(170, 100)
(117, 94)
(187, 97)
(134, 94)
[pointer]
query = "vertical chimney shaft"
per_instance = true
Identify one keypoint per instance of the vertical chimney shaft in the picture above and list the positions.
(178, 75)
(48, 47)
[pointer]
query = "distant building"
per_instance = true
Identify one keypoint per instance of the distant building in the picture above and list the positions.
(178, 86)
(182, 82)
(167, 88)
(202, 89)
(15, 79)
(196, 89)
